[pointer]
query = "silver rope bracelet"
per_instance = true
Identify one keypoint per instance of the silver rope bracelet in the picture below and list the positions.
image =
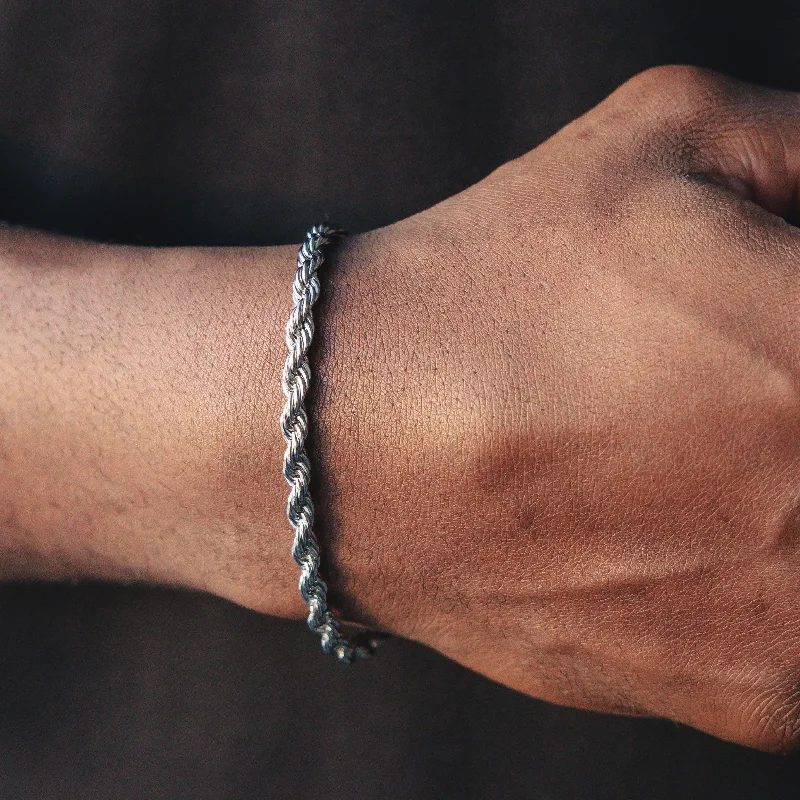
(296, 463)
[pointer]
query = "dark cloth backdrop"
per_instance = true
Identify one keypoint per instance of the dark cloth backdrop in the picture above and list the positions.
(239, 122)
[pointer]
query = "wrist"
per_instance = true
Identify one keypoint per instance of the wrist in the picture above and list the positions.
(353, 451)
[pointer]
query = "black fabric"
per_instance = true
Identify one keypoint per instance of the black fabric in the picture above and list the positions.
(238, 122)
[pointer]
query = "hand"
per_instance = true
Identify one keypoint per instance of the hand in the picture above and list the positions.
(560, 414)
(557, 418)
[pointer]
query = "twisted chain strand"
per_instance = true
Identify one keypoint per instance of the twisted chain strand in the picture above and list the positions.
(296, 464)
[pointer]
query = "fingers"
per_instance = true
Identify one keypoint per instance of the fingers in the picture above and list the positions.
(700, 122)
(684, 133)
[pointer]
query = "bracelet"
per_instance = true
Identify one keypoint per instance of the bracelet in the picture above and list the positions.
(296, 464)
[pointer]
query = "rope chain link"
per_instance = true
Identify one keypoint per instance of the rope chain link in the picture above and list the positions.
(296, 463)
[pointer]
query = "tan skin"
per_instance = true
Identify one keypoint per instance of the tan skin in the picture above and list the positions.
(557, 431)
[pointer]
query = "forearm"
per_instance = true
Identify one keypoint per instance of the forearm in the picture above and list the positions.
(139, 416)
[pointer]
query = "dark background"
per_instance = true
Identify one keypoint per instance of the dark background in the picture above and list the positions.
(242, 123)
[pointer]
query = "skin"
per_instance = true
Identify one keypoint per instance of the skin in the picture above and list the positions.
(556, 420)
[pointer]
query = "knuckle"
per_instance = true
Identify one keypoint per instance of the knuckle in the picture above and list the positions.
(677, 114)
(675, 76)
(690, 96)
